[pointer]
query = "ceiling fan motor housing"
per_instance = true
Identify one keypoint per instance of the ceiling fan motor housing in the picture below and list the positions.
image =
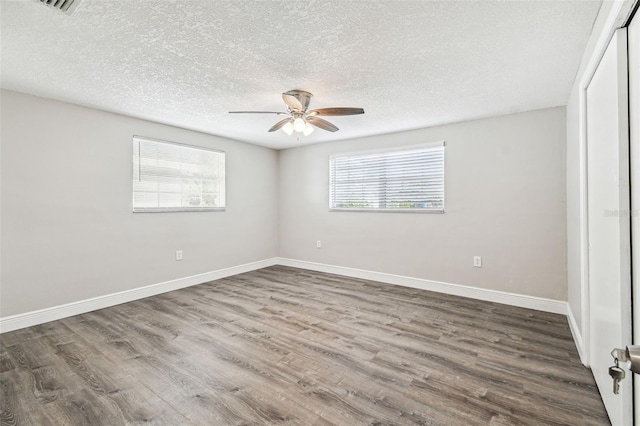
(302, 96)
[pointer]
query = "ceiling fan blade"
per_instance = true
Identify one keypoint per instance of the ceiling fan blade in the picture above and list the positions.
(279, 124)
(292, 102)
(336, 111)
(258, 112)
(322, 124)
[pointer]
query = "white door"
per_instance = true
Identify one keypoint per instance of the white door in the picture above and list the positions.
(609, 223)
(634, 127)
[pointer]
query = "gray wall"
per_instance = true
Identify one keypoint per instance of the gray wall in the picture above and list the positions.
(68, 233)
(505, 201)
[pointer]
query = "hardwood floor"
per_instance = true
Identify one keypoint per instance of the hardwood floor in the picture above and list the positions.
(289, 346)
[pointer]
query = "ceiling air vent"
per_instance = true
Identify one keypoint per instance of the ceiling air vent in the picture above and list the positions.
(66, 6)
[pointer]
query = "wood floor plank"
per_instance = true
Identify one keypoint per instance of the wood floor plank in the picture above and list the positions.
(289, 346)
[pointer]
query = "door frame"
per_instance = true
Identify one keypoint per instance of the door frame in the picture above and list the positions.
(633, 32)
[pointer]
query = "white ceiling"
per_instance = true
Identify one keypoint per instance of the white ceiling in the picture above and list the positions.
(409, 64)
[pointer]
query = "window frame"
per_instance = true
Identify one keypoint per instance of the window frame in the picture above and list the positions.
(397, 149)
(174, 209)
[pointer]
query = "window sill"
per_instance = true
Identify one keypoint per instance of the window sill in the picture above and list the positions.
(428, 211)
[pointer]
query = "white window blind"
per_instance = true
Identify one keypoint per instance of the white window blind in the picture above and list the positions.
(170, 177)
(410, 179)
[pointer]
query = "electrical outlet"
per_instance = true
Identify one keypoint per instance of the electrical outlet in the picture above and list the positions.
(318, 244)
(178, 254)
(477, 261)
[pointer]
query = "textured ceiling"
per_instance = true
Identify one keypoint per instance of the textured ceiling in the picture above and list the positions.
(409, 64)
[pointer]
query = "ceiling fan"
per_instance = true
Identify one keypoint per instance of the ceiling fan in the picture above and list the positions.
(299, 118)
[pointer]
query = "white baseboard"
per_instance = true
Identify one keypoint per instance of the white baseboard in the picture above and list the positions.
(523, 301)
(29, 319)
(577, 336)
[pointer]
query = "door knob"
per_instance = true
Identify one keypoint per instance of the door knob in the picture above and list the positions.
(630, 355)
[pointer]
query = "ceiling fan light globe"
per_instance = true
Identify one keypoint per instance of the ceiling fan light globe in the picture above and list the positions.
(288, 128)
(308, 129)
(299, 124)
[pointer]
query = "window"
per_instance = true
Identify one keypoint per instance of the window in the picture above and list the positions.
(411, 179)
(170, 177)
